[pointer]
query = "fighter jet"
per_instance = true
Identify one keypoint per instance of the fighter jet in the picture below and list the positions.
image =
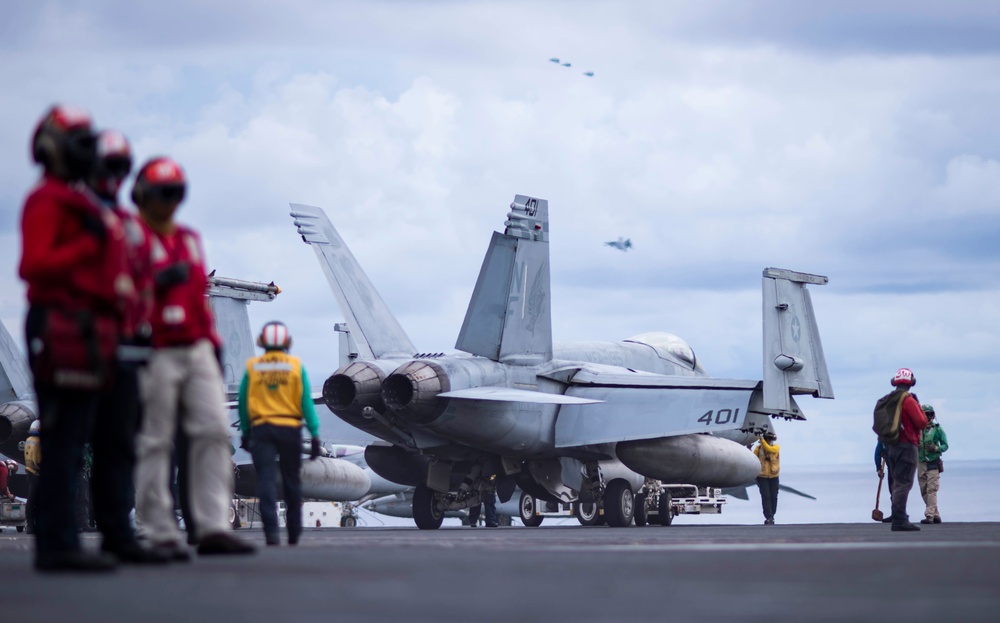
(622, 244)
(18, 407)
(589, 74)
(567, 64)
(554, 60)
(587, 422)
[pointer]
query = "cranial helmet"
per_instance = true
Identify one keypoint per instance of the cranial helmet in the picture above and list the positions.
(12, 467)
(274, 336)
(928, 410)
(904, 376)
(160, 178)
(113, 164)
(64, 137)
(35, 428)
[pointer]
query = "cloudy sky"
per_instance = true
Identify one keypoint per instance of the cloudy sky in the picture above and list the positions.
(856, 140)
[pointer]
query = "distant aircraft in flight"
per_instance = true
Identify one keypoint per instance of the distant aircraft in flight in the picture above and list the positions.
(554, 60)
(567, 64)
(622, 244)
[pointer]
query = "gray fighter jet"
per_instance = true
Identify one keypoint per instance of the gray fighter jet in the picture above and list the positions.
(586, 421)
(622, 244)
(18, 407)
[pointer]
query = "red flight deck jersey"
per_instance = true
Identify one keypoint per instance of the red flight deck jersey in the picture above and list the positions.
(138, 312)
(912, 421)
(181, 314)
(64, 265)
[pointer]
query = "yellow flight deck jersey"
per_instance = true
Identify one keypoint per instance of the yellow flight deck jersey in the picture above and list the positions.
(275, 390)
(768, 455)
(32, 454)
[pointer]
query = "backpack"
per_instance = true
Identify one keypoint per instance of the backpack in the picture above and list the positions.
(887, 413)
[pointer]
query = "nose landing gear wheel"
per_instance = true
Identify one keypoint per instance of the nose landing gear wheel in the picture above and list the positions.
(426, 513)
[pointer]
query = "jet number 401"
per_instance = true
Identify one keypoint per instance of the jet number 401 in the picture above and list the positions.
(722, 416)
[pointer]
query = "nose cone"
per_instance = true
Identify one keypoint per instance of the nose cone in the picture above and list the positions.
(412, 391)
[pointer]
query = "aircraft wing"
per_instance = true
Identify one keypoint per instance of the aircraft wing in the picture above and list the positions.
(15, 380)
(642, 405)
(510, 394)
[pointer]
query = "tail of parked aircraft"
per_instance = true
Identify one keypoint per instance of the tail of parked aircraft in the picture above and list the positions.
(375, 331)
(15, 379)
(229, 299)
(793, 353)
(509, 317)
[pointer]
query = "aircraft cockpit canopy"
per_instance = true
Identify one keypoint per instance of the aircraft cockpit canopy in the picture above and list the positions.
(668, 346)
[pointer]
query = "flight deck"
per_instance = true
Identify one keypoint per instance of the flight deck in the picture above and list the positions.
(815, 572)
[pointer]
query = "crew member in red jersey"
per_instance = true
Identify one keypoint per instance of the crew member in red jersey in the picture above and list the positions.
(182, 385)
(74, 262)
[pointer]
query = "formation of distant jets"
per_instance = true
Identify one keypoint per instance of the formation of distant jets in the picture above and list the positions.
(555, 60)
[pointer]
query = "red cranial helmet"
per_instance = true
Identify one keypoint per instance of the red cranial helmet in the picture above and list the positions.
(904, 376)
(274, 336)
(64, 142)
(114, 163)
(160, 178)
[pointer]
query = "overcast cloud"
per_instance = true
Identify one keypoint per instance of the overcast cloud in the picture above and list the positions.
(852, 139)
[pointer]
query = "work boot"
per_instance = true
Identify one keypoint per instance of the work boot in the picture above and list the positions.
(492, 524)
(926, 520)
(272, 539)
(222, 543)
(937, 519)
(905, 527)
(887, 519)
(173, 551)
(133, 553)
(75, 561)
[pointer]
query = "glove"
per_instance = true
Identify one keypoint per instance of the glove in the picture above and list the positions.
(218, 357)
(880, 473)
(94, 225)
(245, 443)
(315, 449)
(172, 275)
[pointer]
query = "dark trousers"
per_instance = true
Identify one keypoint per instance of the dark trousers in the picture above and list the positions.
(30, 509)
(113, 444)
(902, 458)
(71, 418)
(490, 502)
(768, 496)
(284, 443)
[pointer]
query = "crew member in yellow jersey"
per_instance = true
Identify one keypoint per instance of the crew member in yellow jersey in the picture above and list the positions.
(274, 404)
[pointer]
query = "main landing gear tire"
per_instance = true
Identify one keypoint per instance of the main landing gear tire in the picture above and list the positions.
(526, 508)
(587, 513)
(426, 513)
(640, 510)
(349, 522)
(665, 509)
(619, 504)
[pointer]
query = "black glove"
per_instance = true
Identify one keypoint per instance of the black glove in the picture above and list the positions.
(94, 225)
(245, 443)
(315, 449)
(172, 275)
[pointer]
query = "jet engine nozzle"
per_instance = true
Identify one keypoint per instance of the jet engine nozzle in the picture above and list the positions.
(412, 390)
(355, 386)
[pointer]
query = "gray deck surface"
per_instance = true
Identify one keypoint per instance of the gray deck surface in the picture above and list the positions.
(828, 572)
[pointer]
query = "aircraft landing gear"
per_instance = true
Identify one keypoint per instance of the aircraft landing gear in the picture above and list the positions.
(526, 509)
(619, 503)
(587, 513)
(427, 514)
(641, 516)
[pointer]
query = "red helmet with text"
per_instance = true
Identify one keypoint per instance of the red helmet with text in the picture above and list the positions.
(64, 142)
(904, 376)
(274, 336)
(160, 178)
(114, 163)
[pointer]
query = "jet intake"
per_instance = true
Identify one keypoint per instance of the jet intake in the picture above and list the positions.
(701, 460)
(412, 390)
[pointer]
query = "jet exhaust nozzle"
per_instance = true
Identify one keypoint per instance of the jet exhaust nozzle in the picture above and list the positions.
(412, 391)
(354, 386)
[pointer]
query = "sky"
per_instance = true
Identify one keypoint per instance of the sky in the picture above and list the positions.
(856, 140)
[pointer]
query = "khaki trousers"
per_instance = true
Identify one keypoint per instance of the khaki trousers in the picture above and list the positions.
(183, 386)
(930, 481)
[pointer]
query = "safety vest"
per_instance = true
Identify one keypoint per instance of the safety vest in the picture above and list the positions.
(32, 454)
(274, 389)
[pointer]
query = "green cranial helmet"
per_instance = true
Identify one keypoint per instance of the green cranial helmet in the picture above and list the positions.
(928, 410)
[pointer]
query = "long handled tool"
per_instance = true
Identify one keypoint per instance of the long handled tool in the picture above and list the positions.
(877, 514)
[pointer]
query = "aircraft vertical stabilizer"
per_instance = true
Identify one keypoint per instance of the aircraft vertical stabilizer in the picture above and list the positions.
(229, 299)
(15, 379)
(793, 353)
(509, 317)
(375, 331)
